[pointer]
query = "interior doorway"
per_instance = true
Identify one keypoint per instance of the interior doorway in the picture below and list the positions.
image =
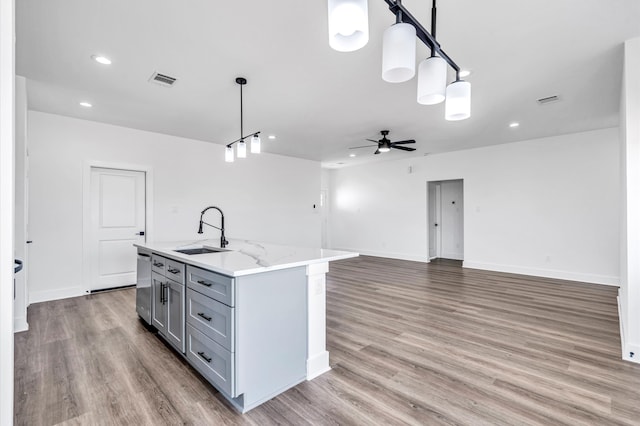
(117, 204)
(445, 210)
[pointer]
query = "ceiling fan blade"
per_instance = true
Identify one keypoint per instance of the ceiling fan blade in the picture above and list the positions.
(363, 146)
(403, 142)
(404, 148)
(371, 140)
(377, 152)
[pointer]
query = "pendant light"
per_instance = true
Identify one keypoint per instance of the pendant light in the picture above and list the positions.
(399, 56)
(241, 149)
(458, 104)
(432, 73)
(399, 53)
(255, 144)
(242, 145)
(432, 80)
(228, 154)
(348, 24)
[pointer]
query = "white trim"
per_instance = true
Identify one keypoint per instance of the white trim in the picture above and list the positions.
(626, 350)
(317, 355)
(545, 273)
(7, 186)
(20, 324)
(453, 256)
(390, 255)
(318, 365)
(86, 211)
(59, 293)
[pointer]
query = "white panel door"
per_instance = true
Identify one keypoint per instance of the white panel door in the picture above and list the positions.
(452, 220)
(117, 221)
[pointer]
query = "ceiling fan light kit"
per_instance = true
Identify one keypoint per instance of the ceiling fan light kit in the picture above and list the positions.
(385, 145)
(242, 145)
(348, 22)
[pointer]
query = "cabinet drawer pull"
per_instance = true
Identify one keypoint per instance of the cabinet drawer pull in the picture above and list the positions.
(203, 356)
(201, 314)
(203, 282)
(158, 264)
(173, 271)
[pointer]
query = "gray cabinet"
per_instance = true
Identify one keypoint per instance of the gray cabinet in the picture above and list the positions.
(214, 362)
(158, 310)
(167, 288)
(212, 318)
(175, 314)
(211, 327)
(246, 335)
(211, 284)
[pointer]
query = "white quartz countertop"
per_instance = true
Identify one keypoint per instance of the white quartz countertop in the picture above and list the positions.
(245, 257)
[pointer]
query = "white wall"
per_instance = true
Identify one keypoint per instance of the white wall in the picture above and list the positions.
(265, 197)
(546, 207)
(630, 212)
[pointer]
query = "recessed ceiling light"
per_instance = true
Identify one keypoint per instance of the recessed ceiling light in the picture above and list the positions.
(464, 73)
(514, 124)
(86, 104)
(352, 155)
(272, 136)
(101, 59)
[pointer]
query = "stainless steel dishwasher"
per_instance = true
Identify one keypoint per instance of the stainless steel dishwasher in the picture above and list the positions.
(143, 286)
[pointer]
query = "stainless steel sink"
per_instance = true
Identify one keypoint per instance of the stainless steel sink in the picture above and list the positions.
(200, 250)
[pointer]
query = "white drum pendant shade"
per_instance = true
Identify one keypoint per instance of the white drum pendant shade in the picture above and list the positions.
(228, 154)
(242, 149)
(348, 24)
(255, 144)
(432, 80)
(458, 104)
(399, 53)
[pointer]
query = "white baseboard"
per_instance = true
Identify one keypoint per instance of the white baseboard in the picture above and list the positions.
(20, 324)
(629, 352)
(452, 256)
(318, 365)
(60, 293)
(390, 255)
(546, 273)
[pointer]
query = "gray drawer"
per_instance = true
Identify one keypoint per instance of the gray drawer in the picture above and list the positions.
(212, 360)
(175, 271)
(158, 264)
(211, 317)
(216, 286)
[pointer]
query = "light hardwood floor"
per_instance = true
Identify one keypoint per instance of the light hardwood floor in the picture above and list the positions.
(410, 343)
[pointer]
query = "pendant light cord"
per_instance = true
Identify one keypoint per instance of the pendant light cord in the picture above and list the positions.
(241, 118)
(433, 27)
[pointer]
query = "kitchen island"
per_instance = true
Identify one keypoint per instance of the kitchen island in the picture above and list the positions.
(251, 318)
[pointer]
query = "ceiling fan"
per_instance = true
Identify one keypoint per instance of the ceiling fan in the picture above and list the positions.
(385, 145)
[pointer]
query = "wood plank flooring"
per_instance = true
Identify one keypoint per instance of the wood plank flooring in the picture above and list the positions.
(410, 343)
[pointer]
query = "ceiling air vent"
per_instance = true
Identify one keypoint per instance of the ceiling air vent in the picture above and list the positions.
(548, 100)
(162, 79)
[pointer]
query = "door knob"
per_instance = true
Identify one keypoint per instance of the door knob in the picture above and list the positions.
(141, 233)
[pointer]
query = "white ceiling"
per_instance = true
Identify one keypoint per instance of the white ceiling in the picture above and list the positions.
(318, 101)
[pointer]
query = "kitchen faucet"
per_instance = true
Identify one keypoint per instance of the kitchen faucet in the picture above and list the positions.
(223, 240)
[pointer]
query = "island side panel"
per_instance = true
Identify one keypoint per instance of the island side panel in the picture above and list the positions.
(271, 333)
(317, 354)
